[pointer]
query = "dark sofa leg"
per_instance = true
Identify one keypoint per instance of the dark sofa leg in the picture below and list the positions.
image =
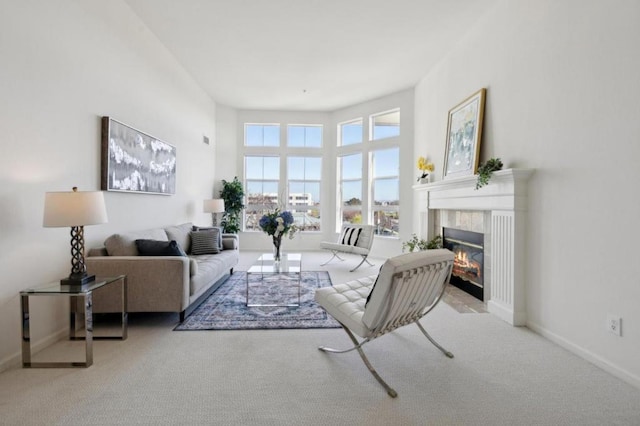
(231, 271)
(182, 316)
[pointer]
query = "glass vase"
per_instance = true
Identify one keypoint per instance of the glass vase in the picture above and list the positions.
(276, 249)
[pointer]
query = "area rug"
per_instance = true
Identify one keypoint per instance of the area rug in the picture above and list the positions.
(226, 308)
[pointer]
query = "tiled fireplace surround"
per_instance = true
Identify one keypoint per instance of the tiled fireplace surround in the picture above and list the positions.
(498, 211)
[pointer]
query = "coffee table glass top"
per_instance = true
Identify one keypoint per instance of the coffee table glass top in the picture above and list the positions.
(290, 263)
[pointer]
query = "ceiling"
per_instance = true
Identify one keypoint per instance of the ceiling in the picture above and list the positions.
(307, 55)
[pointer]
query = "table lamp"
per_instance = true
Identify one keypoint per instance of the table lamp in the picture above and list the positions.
(75, 209)
(214, 207)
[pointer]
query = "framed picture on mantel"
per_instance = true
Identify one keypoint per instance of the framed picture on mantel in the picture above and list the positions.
(464, 134)
(133, 161)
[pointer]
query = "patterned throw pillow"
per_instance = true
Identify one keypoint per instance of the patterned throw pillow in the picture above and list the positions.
(208, 228)
(350, 236)
(205, 242)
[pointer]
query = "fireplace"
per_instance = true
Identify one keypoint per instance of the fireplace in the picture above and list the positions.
(468, 265)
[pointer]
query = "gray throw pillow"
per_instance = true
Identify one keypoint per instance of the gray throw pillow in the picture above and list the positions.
(205, 242)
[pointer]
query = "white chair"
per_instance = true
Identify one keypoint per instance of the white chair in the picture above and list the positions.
(407, 288)
(355, 239)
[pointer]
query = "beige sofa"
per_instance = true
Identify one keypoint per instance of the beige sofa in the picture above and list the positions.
(160, 283)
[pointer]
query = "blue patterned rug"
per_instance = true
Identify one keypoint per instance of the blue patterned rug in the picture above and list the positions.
(226, 308)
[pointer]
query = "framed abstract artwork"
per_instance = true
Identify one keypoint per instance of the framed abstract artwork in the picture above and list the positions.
(464, 134)
(133, 161)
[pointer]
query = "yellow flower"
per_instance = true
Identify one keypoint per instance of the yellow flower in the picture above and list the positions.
(424, 165)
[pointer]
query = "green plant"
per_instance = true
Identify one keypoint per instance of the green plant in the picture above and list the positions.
(422, 244)
(486, 169)
(233, 195)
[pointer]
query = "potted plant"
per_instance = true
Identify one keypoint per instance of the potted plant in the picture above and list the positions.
(422, 244)
(486, 169)
(233, 195)
(425, 166)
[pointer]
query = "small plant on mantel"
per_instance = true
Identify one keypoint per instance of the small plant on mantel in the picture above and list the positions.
(422, 244)
(485, 171)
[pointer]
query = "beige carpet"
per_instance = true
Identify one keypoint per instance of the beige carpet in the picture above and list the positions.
(500, 375)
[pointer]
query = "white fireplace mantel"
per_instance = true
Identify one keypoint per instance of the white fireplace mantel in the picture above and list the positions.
(506, 198)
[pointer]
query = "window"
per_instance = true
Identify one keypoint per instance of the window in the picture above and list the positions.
(272, 182)
(304, 136)
(350, 132)
(262, 175)
(304, 176)
(385, 125)
(385, 189)
(262, 135)
(350, 185)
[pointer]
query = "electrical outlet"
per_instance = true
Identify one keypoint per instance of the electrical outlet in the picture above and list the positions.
(614, 324)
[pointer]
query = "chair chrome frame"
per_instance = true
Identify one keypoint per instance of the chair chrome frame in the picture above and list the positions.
(402, 316)
(335, 255)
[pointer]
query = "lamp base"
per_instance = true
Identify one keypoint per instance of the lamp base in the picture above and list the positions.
(77, 281)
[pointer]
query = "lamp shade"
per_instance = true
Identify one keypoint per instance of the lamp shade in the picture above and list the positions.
(213, 206)
(62, 209)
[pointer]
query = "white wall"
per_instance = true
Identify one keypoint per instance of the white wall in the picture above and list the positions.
(563, 90)
(63, 65)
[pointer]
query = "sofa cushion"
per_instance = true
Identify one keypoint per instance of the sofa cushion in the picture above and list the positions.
(181, 234)
(124, 244)
(211, 267)
(209, 228)
(193, 267)
(159, 248)
(205, 242)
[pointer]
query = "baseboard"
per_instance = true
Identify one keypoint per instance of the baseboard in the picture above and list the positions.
(15, 360)
(596, 360)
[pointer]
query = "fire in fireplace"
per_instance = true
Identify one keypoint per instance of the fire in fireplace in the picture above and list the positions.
(468, 265)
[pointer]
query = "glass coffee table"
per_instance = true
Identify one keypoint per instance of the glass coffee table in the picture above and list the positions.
(271, 283)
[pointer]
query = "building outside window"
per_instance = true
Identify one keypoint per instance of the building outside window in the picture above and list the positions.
(380, 178)
(385, 190)
(304, 178)
(350, 185)
(262, 179)
(272, 182)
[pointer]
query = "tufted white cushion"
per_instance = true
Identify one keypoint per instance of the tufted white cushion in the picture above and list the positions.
(345, 302)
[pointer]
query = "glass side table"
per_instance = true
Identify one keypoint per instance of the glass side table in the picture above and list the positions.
(80, 312)
(271, 283)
